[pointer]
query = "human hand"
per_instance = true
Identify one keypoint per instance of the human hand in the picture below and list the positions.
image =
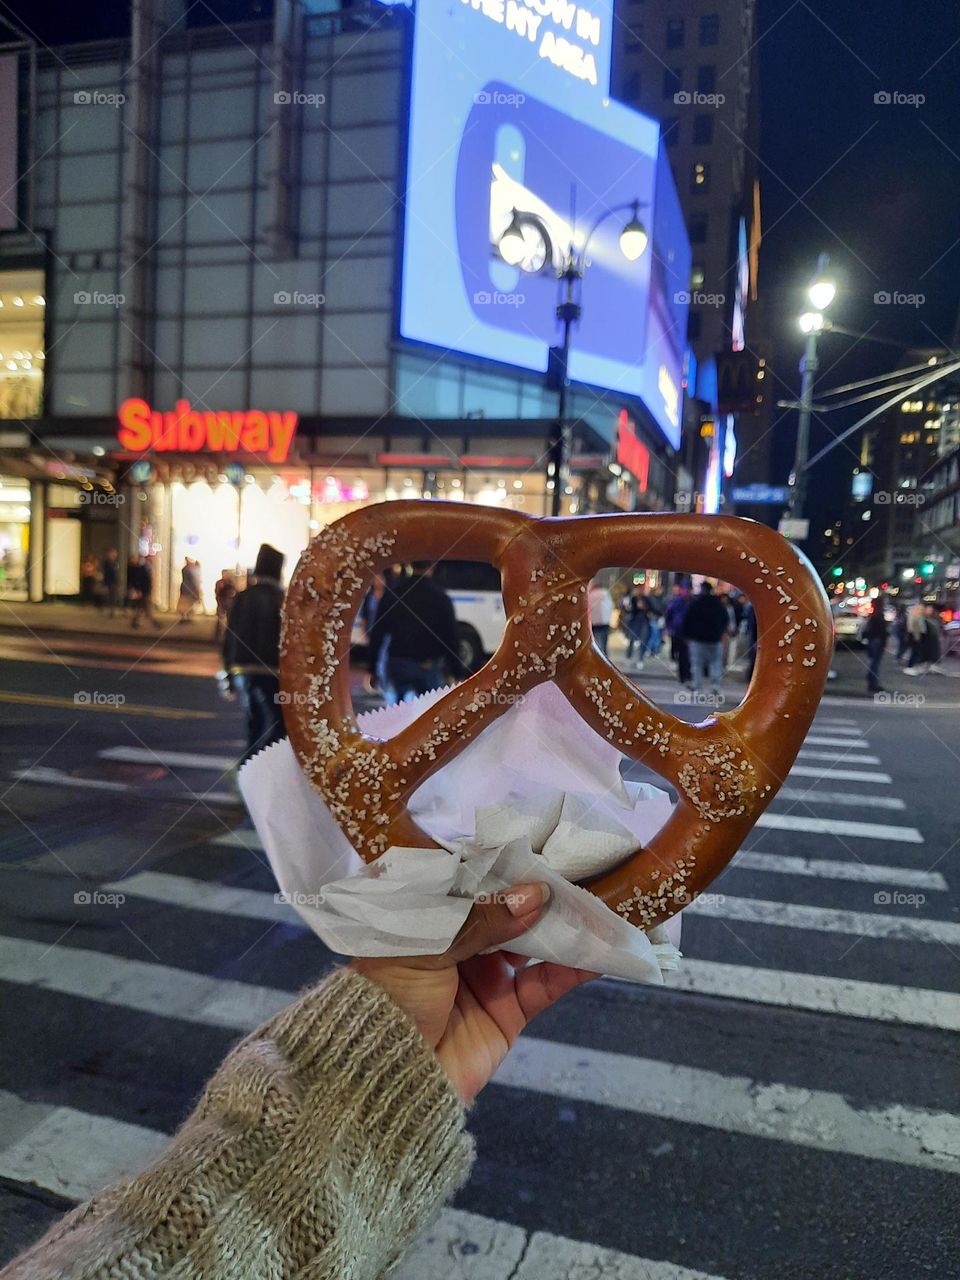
(471, 1007)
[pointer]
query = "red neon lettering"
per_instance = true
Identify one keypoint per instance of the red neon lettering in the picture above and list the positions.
(187, 430)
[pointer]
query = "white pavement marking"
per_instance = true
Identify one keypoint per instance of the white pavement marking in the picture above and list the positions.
(838, 775)
(71, 1153)
(832, 869)
(823, 740)
(880, 1002)
(838, 757)
(841, 724)
(139, 984)
(735, 1104)
(470, 1247)
(792, 915)
(205, 895)
(857, 799)
(239, 838)
(839, 827)
(185, 759)
(56, 777)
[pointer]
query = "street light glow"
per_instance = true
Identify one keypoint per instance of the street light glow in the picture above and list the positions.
(811, 322)
(513, 244)
(633, 238)
(822, 292)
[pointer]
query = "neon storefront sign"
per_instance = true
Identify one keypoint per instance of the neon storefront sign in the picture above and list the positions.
(187, 430)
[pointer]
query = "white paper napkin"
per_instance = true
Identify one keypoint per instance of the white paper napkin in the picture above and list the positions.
(536, 796)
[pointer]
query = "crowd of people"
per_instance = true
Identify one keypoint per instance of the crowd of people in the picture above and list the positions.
(915, 631)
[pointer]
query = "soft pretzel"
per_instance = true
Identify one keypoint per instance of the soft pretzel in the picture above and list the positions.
(726, 770)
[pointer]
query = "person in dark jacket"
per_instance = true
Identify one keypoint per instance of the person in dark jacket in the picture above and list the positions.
(706, 622)
(140, 590)
(413, 640)
(110, 573)
(251, 651)
(875, 635)
(673, 617)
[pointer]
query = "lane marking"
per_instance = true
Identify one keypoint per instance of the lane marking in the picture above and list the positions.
(186, 759)
(824, 740)
(831, 869)
(793, 915)
(875, 1001)
(839, 827)
(838, 757)
(811, 1118)
(128, 708)
(205, 895)
(856, 799)
(841, 775)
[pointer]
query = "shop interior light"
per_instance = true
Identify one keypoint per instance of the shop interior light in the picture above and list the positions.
(633, 237)
(12, 364)
(518, 484)
(455, 482)
(40, 300)
(18, 301)
(98, 451)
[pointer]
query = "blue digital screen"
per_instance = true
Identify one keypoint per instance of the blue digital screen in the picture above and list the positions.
(509, 114)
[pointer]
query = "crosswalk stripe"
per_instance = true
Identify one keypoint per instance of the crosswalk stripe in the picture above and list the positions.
(837, 757)
(833, 869)
(71, 1153)
(876, 1001)
(839, 827)
(839, 775)
(204, 895)
(468, 1245)
(43, 775)
(793, 915)
(138, 984)
(839, 724)
(185, 759)
(239, 838)
(824, 740)
(735, 1104)
(808, 795)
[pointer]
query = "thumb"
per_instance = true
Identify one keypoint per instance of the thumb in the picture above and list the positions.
(497, 918)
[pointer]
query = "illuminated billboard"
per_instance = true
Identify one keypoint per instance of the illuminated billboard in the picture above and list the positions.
(510, 125)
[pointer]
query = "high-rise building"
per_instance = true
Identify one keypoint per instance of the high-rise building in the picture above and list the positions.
(693, 67)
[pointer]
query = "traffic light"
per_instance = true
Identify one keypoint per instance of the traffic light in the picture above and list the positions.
(928, 568)
(836, 571)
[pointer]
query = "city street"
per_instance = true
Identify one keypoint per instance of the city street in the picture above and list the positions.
(786, 1107)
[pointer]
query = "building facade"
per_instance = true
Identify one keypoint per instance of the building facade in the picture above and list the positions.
(198, 308)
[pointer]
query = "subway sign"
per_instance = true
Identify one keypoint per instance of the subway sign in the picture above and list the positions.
(268, 434)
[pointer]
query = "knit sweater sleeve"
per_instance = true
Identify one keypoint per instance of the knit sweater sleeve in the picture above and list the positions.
(322, 1145)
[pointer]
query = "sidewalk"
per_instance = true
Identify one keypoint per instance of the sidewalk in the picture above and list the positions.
(80, 620)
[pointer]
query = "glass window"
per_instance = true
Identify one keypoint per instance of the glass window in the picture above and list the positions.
(700, 177)
(672, 81)
(675, 30)
(693, 326)
(709, 28)
(703, 129)
(631, 87)
(671, 130)
(706, 79)
(696, 276)
(22, 308)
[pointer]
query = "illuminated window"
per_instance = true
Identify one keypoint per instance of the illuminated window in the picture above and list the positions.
(696, 276)
(709, 29)
(703, 129)
(700, 177)
(675, 32)
(908, 437)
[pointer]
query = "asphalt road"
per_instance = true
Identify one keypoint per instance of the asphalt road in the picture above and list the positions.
(786, 1107)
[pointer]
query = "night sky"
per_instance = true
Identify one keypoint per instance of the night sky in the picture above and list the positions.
(873, 185)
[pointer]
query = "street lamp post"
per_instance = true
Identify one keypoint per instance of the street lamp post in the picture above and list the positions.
(513, 248)
(821, 293)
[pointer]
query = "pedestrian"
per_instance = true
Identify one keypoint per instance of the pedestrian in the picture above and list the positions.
(673, 616)
(333, 1133)
(110, 572)
(731, 631)
(140, 590)
(88, 580)
(414, 645)
(748, 630)
(875, 635)
(224, 593)
(705, 623)
(901, 635)
(635, 622)
(251, 651)
(655, 618)
(916, 630)
(189, 588)
(929, 647)
(601, 613)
